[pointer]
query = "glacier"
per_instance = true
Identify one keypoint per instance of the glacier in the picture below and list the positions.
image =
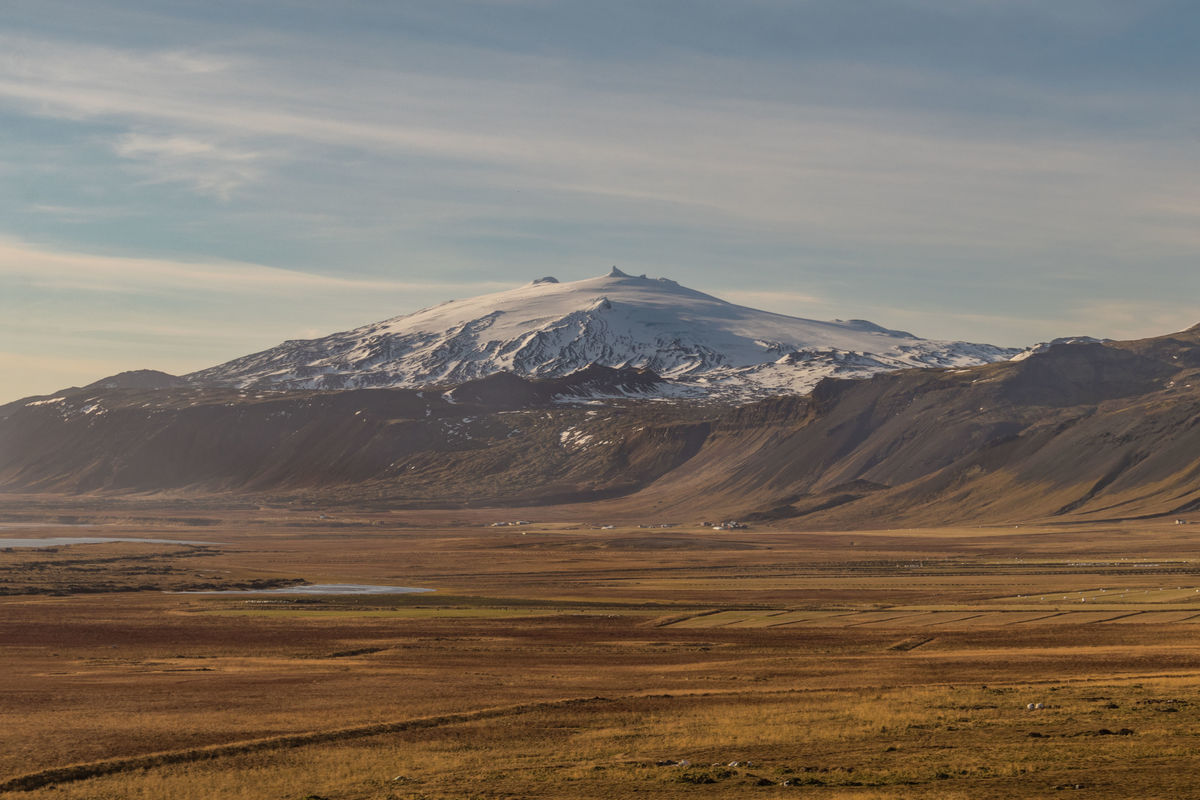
(703, 345)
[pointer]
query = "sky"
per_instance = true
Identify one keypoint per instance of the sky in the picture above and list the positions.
(182, 183)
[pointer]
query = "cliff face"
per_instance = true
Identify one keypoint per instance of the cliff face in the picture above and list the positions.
(1078, 431)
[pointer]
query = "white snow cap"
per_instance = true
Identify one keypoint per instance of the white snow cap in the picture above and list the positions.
(547, 328)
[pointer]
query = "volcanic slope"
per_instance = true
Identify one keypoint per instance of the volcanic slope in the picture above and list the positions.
(499, 439)
(1078, 431)
(551, 329)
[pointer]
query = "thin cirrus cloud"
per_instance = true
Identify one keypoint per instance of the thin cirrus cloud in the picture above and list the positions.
(851, 175)
(49, 268)
(208, 167)
(246, 97)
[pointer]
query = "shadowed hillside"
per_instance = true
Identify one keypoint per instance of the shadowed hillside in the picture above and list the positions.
(1079, 431)
(1084, 430)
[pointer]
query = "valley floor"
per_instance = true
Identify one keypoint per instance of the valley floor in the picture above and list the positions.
(559, 659)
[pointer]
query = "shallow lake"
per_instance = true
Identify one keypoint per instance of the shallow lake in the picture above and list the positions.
(63, 541)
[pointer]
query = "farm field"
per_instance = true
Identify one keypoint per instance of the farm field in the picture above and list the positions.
(560, 659)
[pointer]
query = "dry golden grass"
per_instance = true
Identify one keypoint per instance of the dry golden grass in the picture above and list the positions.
(891, 681)
(935, 742)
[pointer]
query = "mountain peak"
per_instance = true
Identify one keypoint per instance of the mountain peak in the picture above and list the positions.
(548, 329)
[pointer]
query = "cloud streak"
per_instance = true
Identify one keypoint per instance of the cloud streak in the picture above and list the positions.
(50, 268)
(208, 167)
(850, 175)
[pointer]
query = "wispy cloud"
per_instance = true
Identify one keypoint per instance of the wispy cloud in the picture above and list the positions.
(209, 167)
(76, 213)
(45, 267)
(206, 121)
(886, 175)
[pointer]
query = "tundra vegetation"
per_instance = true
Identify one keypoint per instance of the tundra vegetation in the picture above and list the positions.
(563, 658)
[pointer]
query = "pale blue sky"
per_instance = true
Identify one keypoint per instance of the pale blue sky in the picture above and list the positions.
(185, 182)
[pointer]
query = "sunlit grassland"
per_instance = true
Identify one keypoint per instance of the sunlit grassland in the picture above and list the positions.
(398, 613)
(929, 742)
(888, 664)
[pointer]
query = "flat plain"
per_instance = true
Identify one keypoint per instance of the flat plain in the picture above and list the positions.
(565, 659)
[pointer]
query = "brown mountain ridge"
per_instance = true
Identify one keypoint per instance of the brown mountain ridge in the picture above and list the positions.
(1085, 431)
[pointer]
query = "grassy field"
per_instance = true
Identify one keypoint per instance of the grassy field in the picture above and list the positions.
(560, 660)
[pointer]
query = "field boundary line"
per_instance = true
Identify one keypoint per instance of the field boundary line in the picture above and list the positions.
(1051, 615)
(112, 766)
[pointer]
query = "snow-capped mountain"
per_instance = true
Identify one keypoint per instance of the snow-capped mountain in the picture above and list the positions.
(549, 329)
